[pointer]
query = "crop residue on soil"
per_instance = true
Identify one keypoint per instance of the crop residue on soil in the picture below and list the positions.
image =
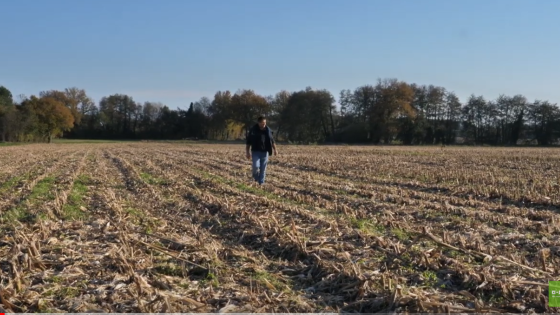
(164, 227)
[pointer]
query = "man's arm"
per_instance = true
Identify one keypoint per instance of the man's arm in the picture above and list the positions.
(248, 144)
(273, 143)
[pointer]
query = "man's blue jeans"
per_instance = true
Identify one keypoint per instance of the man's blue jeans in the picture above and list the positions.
(260, 161)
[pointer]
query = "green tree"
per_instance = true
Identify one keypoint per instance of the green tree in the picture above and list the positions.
(203, 105)
(6, 106)
(306, 116)
(120, 115)
(476, 117)
(278, 103)
(545, 119)
(220, 111)
(452, 117)
(510, 115)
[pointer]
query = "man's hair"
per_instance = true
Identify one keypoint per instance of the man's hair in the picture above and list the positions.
(261, 118)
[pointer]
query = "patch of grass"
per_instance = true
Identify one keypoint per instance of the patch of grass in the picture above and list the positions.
(367, 226)
(73, 209)
(150, 224)
(44, 306)
(408, 269)
(135, 212)
(55, 279)
(42, 189)
(169, 269)
(152, 180)
(184, 285)
(340, 192)
(119, 186)
(10, 183)
(40, 193)
(430, 278)
(401, 234)
(212, 279)
(61, 292)
(139, 217)
(82, 141)
(244, 187)
(266, 279)
(67, 292)
(453, 253)
(9, 144)
(493, 298)
(258, 191)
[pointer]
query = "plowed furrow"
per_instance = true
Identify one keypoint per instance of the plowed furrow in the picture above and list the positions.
(271, 225)
(374, 185)
(217, 248)
(460, 221)
(459, 228)
(17, 207)
(170, 164)
(457, 184)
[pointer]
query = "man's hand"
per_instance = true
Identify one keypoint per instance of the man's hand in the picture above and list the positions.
(275, 152)
(248, 152)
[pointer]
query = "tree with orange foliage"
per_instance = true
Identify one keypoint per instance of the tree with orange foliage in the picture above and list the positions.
(62, 97)
(246, 106)
(393, 100)
(51, 116)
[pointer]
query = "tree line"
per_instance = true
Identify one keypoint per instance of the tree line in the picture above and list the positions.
(389, 112)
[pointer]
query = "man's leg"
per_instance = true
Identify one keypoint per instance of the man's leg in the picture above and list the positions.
(255, 165)
(264, 164)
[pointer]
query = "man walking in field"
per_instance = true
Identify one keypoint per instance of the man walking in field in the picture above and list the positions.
(260, 144)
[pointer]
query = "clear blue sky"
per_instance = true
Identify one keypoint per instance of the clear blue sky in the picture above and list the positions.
(176, 51)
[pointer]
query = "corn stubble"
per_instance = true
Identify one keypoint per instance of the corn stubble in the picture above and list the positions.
(162, 227)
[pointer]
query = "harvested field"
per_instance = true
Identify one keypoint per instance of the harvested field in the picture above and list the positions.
(163, 227)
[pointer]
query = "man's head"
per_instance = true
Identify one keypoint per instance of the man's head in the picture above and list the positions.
(262, 122)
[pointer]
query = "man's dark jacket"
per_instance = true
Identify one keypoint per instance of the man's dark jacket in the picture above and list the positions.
(252, 138)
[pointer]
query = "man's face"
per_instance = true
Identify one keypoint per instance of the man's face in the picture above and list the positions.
(262, 124)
